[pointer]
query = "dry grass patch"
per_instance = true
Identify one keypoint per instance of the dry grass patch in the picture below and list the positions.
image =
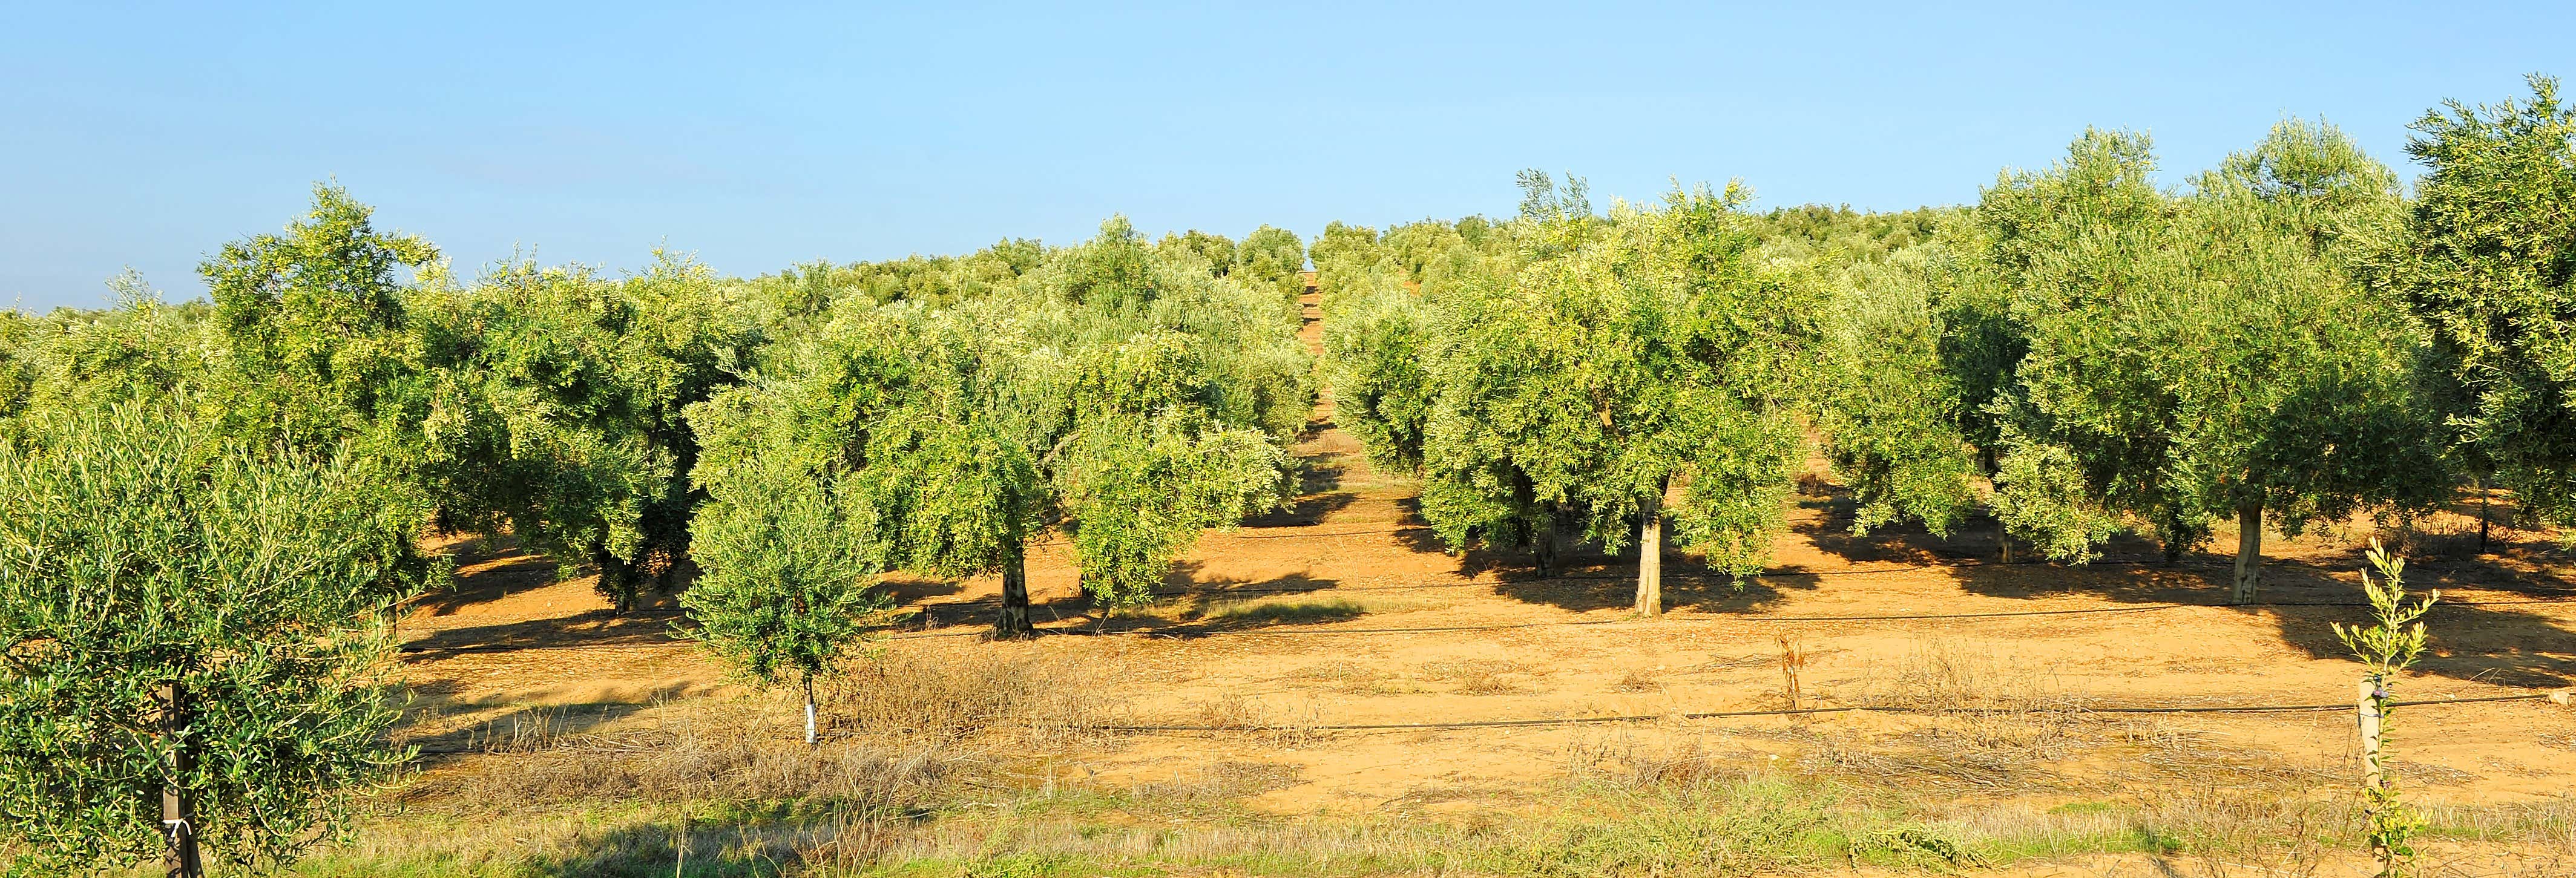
(1271, 724)
(1477, 676)
(1220, 783)
(952, 696)
(1346, 677)
(1638, 680)
(1939, 673)
(697, 755)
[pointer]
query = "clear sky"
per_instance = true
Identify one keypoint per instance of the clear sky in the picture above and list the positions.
(149, 136)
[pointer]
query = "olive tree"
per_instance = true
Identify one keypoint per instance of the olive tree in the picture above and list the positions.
(2207, 355)
(783, 545)
(1378, 348)
(1345, 257)
(1218, 251)
(73, 361)
(315, 329)
(1125, 400)
(1636, 368)
(554, 401)
(1889, 406)
(1270, 259)
(2485, 258)
(17, 362)
(195, 625)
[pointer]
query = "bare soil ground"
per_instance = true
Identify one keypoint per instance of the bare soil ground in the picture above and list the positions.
(1285, 624)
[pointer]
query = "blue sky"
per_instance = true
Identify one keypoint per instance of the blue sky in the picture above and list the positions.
(150, 135)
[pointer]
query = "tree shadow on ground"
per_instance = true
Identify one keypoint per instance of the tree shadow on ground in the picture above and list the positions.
(1975, 538)
(1186, 581)
(1319, 493)
(908, 588)
(525, 729)
(2521, 567)
(601, 627)
(2510, 632)
(983, 610)
(2498, 622)
(2198, 578)
(1481, 557)
(1213, 621)
(494, 567)
(1685, 588)
(2506, 646)
(1828, 527)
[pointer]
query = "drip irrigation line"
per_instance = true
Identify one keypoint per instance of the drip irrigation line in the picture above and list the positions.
(1285, 630)
(1727, 714)
(1804, 711)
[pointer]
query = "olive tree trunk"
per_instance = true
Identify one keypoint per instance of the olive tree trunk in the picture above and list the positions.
(179, 858)
(2482, 513)
(1545, 547)
(2249, 550)
(809, 709)
(1650, 557)
(1014, 620)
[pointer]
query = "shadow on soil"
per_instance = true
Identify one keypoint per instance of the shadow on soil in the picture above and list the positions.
(498, 567)
(590, 628)
(521, 730)
(2504, 634)
(1319, 493)
(908, 589)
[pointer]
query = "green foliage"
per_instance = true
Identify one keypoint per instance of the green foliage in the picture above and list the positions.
(1124, 395)
(787, 570)
(2050, 501)
(1841, 234)
(140, 549)
(17, 363)
(314, 327)
(555, 407)
(2387, 648)
(1141, 489)
(1271, 259)
(73, 360)
(2397, 639)
(1890, 409)
(2487, 257)
(1414, 247)
(1215, 250)
(2207, 355)
(1624, 357)
(1346, 257)
(802, 294)
(1378, 346)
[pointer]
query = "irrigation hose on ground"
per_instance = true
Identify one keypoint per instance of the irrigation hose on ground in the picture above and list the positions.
(1803, 711)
